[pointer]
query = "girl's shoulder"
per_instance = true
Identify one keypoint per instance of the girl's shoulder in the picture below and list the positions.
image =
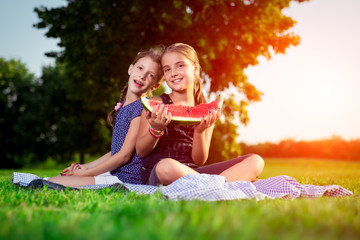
(137, 106)
(133, 109)
(133, 105)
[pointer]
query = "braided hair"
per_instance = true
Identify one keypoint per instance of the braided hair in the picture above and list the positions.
(155, 55)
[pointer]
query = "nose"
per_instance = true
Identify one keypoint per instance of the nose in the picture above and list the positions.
(173, 72)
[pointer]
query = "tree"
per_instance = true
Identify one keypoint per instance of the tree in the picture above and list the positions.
(37, 120)
(18, 120)
(100, 38)
(65, 120)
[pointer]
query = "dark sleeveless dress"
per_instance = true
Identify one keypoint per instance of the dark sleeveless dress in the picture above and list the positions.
(176, 144)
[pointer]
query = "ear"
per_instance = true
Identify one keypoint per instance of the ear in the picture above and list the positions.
(196, 69)
(156, 86)
(130, 67)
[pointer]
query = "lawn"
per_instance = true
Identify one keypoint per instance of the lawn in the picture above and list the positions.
(107, 214)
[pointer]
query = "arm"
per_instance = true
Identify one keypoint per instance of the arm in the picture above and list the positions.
(202, 138)
(118, 159)
(86, 165)
(98, 161)
(145, 143)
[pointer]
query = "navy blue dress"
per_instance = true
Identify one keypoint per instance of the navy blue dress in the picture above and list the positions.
(130, 172)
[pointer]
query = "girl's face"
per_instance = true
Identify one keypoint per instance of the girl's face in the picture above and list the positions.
(179, 71)
(143, 75)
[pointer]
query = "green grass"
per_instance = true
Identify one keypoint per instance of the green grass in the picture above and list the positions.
(107, 214)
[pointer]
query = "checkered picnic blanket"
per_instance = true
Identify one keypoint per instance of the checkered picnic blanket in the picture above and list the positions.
(208, 187)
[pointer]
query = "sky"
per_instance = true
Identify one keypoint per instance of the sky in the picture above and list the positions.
(310, 92)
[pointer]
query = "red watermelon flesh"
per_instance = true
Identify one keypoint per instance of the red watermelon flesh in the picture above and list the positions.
(185, 114)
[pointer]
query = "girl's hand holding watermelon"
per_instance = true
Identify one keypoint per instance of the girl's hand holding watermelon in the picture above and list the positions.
(160, 118)
(207, 121)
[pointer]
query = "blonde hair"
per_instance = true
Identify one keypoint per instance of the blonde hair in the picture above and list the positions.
(155, 54)
(190, 53)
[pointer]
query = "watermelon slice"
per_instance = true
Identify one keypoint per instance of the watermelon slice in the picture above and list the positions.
(184, 115)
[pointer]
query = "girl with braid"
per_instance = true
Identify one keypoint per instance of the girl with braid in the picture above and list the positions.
(121, 163)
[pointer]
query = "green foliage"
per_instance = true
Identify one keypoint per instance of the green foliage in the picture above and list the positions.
(100, 38)
(38, 120)
(223, 143)
(67, 124)
(19, 123)
(107, 214)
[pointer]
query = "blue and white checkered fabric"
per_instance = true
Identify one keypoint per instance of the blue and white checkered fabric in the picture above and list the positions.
(215, 188)
(23, 179)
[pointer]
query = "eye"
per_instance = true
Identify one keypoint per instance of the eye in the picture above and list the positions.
(166, 69)
(151, 75)
(180, 65)
(139, 67)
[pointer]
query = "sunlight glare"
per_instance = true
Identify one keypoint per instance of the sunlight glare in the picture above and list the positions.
(329, 90)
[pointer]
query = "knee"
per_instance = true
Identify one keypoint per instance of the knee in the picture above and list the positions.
(165, 169)
(258, 163)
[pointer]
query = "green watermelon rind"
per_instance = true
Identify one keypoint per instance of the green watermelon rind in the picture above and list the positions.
(174, 120)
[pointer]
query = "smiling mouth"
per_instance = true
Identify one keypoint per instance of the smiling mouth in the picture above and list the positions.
(138, 83)
(176, 80)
